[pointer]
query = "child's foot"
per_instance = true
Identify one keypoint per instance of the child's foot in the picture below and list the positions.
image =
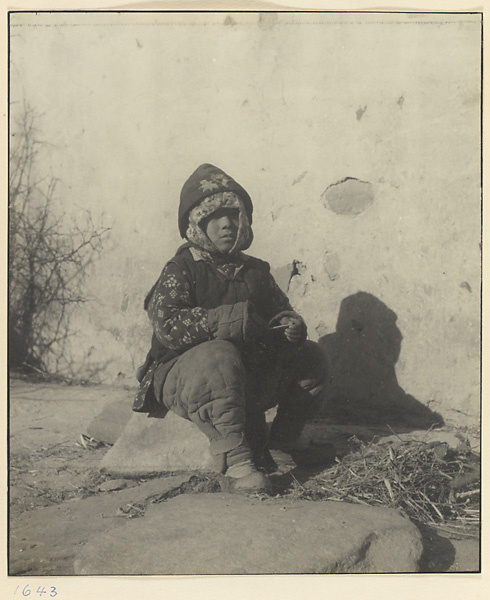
(254, 482)
(245, 478)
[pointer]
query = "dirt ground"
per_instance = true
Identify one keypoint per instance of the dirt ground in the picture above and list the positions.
(59, 499)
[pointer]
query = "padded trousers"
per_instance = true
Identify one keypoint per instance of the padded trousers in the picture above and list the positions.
(211, 385)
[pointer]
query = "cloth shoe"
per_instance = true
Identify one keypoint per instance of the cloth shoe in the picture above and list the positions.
(247, 479)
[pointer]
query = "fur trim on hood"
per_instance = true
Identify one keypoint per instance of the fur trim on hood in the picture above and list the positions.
(207, 207)
(207, 180)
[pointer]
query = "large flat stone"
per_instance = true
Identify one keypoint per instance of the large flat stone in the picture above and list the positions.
(225, 534)
(149, 445)
(453, 439)
(43, 540)
(43, 414)
(108, 425)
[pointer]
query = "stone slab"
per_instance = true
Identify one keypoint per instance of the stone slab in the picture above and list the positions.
(322, 431)
(453, 439)
(218, 534)
(108, 425)
(43, 540)
(149, 445)
(43, 414)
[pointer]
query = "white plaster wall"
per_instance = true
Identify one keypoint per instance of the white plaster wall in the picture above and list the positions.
(288, 105)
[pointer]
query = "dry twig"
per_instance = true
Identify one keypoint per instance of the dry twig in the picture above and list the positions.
(413, 476)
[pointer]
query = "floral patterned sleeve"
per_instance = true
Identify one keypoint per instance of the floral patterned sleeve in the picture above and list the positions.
(177, 324)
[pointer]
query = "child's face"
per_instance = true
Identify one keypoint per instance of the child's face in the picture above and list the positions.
(221, 227)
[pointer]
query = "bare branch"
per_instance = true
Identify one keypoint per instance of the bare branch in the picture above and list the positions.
(49, 254)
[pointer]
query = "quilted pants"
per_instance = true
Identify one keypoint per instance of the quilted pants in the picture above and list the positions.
(211, 386)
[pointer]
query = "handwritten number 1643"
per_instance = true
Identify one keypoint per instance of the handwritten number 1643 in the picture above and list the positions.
(26, 591)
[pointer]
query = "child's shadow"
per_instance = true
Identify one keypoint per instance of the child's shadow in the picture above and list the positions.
(363, 387)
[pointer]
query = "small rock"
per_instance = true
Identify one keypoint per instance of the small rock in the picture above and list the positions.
(116, 484)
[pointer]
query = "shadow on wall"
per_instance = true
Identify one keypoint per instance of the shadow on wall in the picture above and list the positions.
(362, 353)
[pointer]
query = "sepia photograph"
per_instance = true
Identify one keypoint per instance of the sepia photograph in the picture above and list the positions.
(244, 293)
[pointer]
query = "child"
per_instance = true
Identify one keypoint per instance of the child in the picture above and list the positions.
(227, 345)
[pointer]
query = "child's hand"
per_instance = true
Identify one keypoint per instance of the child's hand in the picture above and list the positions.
(294, 331)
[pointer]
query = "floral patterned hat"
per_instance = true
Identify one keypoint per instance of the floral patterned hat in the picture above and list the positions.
(207, 180)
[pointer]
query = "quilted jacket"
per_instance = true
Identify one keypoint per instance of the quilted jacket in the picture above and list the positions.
(196, 300)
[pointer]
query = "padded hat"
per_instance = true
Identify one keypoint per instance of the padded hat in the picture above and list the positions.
(206, 181)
